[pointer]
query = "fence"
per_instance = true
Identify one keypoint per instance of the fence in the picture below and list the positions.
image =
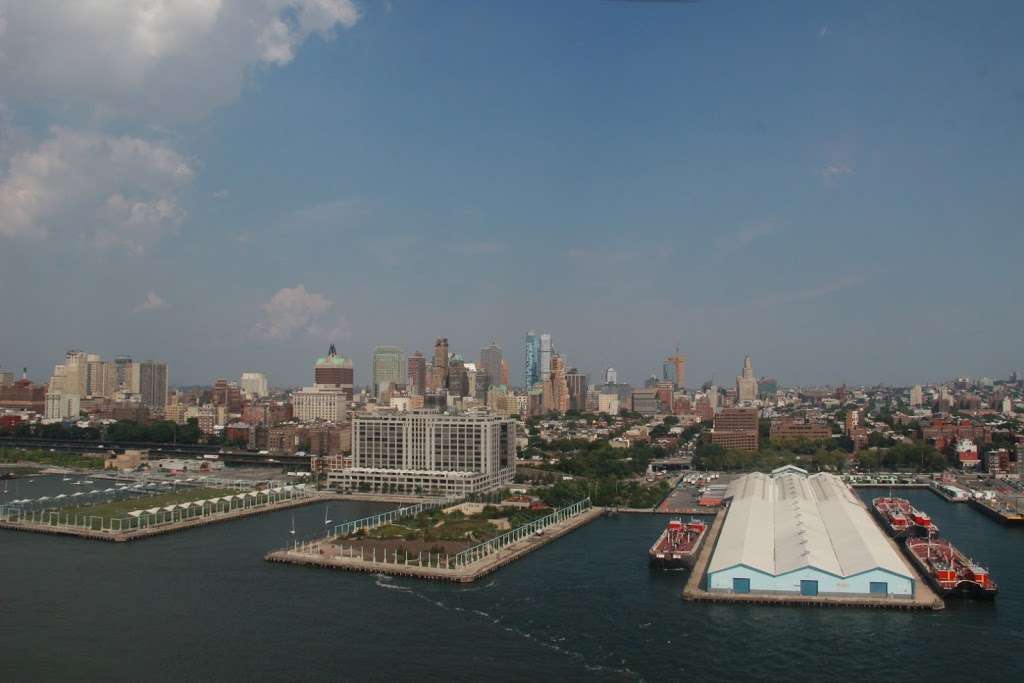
(482, 550)
(154, 517)
(388, 517)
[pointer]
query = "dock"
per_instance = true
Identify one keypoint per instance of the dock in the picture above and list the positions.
(1007, 516)
(320, 553)
(695, 588)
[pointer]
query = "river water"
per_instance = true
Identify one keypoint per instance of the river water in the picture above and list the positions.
(204, 605)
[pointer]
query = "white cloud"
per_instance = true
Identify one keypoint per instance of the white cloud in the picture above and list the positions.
(220, 194)
(108, 191)
(474, 248)
(168, 59)
(152, 302)
(294, 309)
(824, 31)
(833, 173)
(744, 237)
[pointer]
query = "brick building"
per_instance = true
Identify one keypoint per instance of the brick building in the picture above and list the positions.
(736, 428)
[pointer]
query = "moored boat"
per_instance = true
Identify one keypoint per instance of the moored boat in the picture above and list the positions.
(678, 545)
(894, 514)
(949, 571)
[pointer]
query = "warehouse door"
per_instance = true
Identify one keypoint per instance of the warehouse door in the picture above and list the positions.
(808, 587)
(741, 585)
(879, 588)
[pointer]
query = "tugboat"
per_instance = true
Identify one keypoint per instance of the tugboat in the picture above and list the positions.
(678, 544)
(949, 571)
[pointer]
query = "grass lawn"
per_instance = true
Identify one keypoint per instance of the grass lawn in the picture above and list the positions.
(455, 526)
(121, 508)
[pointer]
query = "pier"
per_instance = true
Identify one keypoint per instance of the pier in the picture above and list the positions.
(464, 567)
(695, 588)
(185, 516)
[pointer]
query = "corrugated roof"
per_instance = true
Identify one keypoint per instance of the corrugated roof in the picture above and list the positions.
(788, 521)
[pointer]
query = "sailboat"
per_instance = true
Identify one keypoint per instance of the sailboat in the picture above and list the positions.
(293, 525)
(327, 521)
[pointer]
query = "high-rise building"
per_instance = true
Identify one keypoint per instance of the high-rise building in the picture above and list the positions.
(746, 383)
(76, 373)
(546, 350)
(429, 453)
(417, 374)
(153, 383)
(916, 396)
(6, 378)
(123, 371)
(334, 371)
(531, 359)
(504, 374)
(458, 377)
(388, 368)
(441, 363)
(490, 362)
(61, 406)
(93, 375)
(254, 384)
(611, 376)
(559, 396)
(577, 383)
(320, 403)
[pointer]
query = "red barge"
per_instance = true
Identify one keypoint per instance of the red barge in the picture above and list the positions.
(900, 519)
(949, 571)
(678, 544)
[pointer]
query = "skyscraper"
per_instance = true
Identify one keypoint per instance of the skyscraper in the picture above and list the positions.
(504, 373)
(545, 357)
(916, 396)
(417, 374)
(441, 363)
(254, 384)
(490, 362)
(388, 368)
(153, 383)
(611, 376)
(334, 371)
(531, 361)
(746, 383)
(123, 370)
(577, 383)
(560, 400)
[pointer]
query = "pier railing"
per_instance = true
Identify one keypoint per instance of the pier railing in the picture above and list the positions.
(374, 521)
(482, 550)
(152, 518)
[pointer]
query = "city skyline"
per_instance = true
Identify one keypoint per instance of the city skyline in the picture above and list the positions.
(255, 216)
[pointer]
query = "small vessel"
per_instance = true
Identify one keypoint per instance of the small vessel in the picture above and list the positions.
(949, 571)
(678, 544)
(293, 525)
(326, 520)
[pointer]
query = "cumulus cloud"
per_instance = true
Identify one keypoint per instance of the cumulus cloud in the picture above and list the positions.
(167, 59)
(152, 302)
(108, 191)
(295, 310)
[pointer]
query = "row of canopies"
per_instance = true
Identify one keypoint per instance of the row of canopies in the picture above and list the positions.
(215, 501)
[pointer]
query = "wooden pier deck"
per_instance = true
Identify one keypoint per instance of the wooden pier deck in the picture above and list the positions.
(321, 554)
(695, 589)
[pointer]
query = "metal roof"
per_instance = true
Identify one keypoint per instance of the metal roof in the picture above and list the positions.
(787, 521)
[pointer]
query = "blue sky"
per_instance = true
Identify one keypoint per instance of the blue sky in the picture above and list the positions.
(229, 186)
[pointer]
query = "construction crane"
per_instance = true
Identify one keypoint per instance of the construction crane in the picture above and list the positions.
(680, 364)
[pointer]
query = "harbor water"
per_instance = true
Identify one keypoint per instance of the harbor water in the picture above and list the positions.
(204, 605)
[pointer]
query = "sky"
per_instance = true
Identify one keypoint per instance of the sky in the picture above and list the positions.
(231, 185)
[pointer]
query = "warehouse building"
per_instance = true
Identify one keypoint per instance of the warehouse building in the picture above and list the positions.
(790, 533)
